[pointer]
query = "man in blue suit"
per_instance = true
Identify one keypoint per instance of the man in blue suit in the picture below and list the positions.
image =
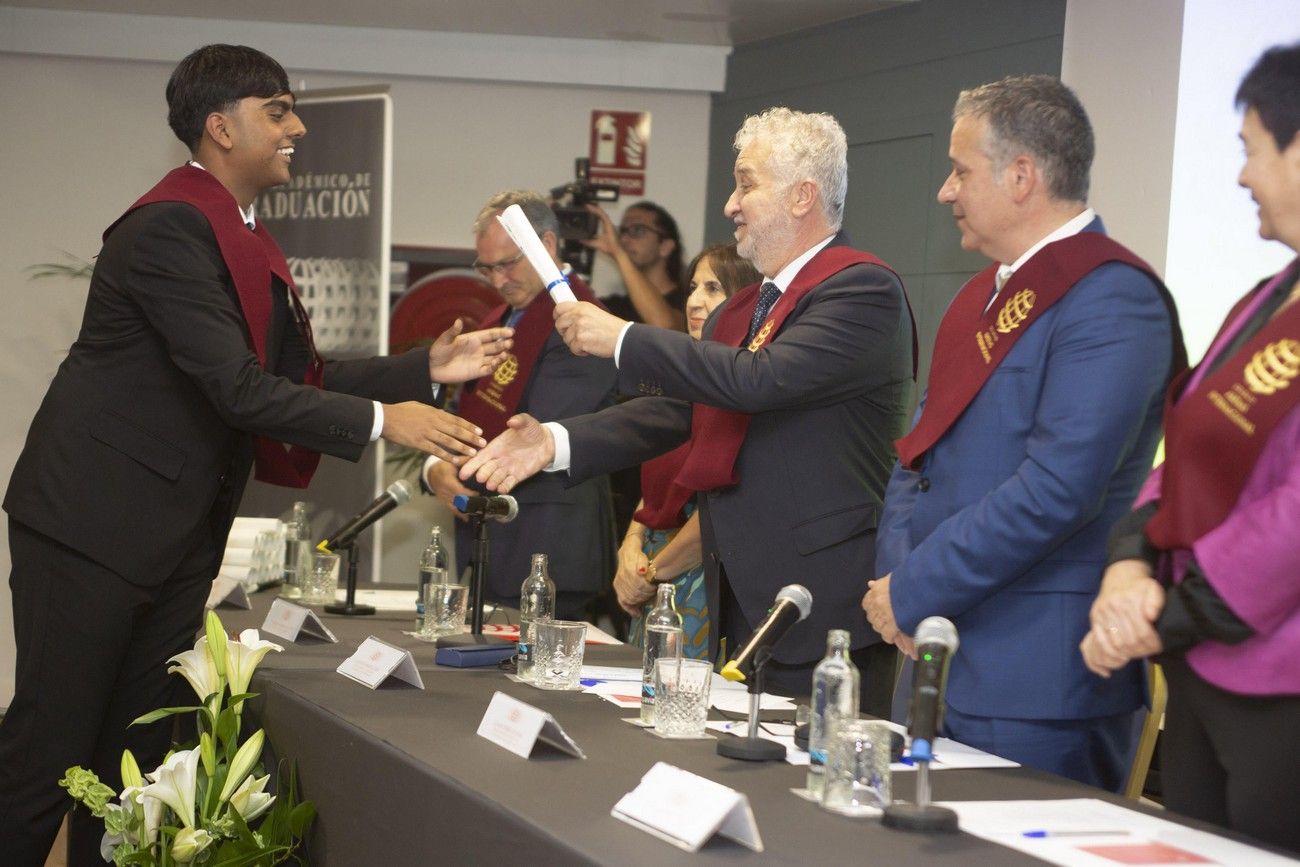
(1038, 425)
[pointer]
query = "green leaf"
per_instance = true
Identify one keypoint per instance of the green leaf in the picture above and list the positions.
(300, 819)
(155, 715)
(227, 728)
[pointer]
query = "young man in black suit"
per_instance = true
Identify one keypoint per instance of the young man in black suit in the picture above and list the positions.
(194, 362)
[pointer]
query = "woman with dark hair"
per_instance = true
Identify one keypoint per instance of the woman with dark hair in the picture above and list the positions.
(663, 541)
(1205, 572)
(647, 248)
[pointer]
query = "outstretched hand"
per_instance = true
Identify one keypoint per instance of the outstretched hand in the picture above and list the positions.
(456, 357)
(518, 453)
(421, 427)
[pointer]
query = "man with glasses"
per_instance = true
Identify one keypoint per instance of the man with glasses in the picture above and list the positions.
(647, 249)
(542, 377)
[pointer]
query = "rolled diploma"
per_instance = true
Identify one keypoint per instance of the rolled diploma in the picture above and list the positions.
(525, 237)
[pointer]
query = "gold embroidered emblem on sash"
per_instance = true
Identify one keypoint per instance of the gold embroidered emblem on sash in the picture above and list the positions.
(507, 371)
(1269, 371)
(1016, 310)
(1013, 313)
(1273, 367)
(761, 337)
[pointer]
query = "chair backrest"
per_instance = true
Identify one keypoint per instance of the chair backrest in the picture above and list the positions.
(1155, 718)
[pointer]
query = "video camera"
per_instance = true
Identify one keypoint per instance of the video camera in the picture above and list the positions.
(577, 224)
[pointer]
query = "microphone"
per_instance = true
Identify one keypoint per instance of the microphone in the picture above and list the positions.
(504, 509)
(936, 642)
(398, 493)
(793, 603)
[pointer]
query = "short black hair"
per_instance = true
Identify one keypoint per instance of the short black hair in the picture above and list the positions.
(1272, 88)
(214, 78)
(666, 226)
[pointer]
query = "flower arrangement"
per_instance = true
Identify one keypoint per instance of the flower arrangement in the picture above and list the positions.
(201, 804)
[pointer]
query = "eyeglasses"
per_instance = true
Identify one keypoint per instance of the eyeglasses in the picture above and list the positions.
(638, 230)
(487, 269)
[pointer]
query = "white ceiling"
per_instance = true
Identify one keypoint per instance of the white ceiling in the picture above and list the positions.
(689, 22)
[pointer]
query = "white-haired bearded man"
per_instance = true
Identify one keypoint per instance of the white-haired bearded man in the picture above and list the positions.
(791, 404)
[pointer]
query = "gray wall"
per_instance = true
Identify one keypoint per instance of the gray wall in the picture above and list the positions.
(891, 79)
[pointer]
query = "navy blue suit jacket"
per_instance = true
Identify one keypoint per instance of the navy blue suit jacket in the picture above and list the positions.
(1003, 527)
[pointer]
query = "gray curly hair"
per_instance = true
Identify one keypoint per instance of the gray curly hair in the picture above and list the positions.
(804, 147)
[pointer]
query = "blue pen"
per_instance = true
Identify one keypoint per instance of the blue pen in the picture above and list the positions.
(1038, 835)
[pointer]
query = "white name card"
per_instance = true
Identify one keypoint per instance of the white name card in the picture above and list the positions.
(229, 592)
(513, 725)
(686, 810)
(288, 620)
(375, 661)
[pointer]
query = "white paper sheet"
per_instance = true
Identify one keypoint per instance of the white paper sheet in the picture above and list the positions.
(1087, 832)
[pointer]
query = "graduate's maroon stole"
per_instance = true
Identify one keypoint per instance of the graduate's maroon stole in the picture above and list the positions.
(717, 434)
(1215, 432)
(251, 257)
(489, 402)
(971, 342)
(664, 499)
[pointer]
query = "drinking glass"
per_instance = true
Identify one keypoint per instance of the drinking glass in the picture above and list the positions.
(323, 579)
(558, 647)
(857, 768)
(682, 697)
(444, 609)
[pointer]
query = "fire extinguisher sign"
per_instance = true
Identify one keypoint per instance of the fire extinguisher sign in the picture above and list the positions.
(620, 149)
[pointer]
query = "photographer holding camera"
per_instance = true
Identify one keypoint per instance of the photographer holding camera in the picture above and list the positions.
(647, 249)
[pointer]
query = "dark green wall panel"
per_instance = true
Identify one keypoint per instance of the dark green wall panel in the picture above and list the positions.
(891, 79)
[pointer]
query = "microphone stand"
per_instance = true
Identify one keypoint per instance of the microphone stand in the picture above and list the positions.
(478, 567)
(922, 816)
(350, 606)
(752, 748)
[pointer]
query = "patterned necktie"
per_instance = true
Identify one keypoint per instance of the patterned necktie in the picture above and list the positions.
(766, 299)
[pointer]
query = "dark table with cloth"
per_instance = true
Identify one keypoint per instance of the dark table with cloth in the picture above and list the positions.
(399, 775)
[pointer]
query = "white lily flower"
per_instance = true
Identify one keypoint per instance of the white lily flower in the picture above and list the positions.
(197, 667)
(249, 800)
(174, 784)
(243, 656)
(189, 843)
(149, 808)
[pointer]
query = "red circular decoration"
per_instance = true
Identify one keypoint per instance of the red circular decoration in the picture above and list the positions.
(434, 302)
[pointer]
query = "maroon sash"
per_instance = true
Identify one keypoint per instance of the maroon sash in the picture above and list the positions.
(717, 434)
(491, 401)
(251, 257)
(664, 498)
(1215, 433)
(971, 342)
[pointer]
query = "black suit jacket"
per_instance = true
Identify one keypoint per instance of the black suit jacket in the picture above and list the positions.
(143, 444)
(572, 525)
(828, 395)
